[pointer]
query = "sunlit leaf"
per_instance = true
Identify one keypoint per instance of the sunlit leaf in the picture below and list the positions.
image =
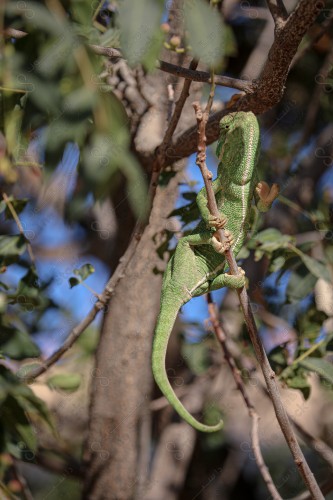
(11, 247)
(205, 31)
(24, 371)
(65, 382)
(139, 22)
(84, 271)
(18, 345)
(300, 284)
(316, 267)
(320, 366)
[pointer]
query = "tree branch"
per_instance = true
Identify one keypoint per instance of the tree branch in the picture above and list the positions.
(278, 11)
(269, 375)
(203, 76)
(326, 25)
(269, 88)
(315, 443)
(219, 332)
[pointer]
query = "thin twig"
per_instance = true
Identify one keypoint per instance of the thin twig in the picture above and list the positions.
(171, 100)
(19, 225)
(113, 54)
(316, 444)
(203, 76)
(269, 375)
(326, 487)
(25, 491)
(33, 373)
(6, 493)
(13, 33)
(219, 332)
(187, 73)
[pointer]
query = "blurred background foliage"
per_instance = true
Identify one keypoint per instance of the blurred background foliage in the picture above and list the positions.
(67, 147)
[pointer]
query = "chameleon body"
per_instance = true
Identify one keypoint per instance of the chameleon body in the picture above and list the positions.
(198, 265)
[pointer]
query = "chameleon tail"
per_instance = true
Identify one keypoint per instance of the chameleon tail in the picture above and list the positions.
(166, 319)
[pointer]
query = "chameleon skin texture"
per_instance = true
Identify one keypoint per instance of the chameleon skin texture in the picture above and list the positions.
(196, 268)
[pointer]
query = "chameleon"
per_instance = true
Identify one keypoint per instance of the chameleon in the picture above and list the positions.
(198, 265)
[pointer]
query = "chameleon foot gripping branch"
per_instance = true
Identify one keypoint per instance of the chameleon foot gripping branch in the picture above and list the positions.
(198, 265)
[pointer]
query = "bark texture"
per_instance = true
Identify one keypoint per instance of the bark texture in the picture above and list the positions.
(121, 381)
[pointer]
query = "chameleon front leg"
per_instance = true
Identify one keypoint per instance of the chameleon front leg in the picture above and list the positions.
(219, 246)
(265, 195)
(211, 220)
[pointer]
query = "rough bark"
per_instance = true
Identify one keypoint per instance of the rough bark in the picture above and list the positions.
(121, 382)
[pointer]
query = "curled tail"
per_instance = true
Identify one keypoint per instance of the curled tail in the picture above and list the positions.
(166, 319)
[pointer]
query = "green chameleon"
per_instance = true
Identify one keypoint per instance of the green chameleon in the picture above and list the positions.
(198, 265)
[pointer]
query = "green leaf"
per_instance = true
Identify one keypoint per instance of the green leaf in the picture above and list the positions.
(80, 100)
(310, 322)
(190, 196)
(10, 408)
(84, 271)
(205, 31)
(99, 159)
(11, 247)
(28, 294)
(88, 341)
(18, 205)
(34, 405)
(244, 253)
(28, 435)
(24, 371)
(300, 284)
(188, 213)
(230, 43)
(164, 246)
(299, 381)
(74, 282)
(54, 56)
(137, 185)
(277, 263)
(320, 366)
(317, 268)
(65, 382)
(18, 345)
(196, 356)
(165, 177)
(13, 123)
(139, 22)
(59, 133)
(38, 16)
(270, 240)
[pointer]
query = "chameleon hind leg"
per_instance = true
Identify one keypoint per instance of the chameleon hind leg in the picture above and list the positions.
(229, 280)
(185, 268)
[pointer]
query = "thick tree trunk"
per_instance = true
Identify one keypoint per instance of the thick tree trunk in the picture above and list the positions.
(121, 381)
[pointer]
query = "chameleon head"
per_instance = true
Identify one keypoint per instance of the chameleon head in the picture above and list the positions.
(238, 145)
